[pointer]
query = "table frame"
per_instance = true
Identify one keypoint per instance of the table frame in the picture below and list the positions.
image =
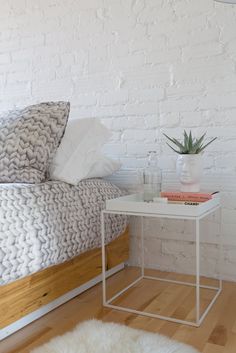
(197, 285)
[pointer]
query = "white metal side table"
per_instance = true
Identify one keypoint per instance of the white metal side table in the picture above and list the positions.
(133, 205)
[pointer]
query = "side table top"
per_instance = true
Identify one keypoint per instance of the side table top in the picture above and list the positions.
(135, 204)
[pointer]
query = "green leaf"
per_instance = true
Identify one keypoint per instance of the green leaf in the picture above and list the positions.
(186, 141)
(190, 141)
(199, 141)
(179, 144)
(207, 144)
(174, 141)
(173, 148)
(169, 138)
(198, 150)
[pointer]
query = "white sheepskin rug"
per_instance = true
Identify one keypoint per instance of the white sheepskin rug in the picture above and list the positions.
(97, 337)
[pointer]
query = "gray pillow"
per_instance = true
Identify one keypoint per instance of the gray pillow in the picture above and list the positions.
(29, 139)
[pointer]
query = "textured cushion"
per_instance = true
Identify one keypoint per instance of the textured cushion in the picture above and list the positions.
(29, 139)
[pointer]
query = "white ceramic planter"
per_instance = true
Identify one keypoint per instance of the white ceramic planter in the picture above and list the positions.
(189, 169)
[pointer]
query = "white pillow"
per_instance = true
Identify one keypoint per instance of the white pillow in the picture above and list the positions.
(103, 166)
(79, 152)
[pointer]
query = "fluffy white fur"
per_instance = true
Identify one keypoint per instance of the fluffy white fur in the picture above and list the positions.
(96, 337)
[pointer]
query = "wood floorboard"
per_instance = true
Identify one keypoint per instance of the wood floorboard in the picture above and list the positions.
(217, 334)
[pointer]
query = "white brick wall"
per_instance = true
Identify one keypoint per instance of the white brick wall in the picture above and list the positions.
(143, 67)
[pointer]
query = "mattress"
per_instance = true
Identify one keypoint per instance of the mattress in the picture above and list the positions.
(46, 224)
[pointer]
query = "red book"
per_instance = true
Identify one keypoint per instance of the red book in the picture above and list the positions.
(188, 196)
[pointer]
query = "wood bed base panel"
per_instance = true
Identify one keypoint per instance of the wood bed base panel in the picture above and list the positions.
(28, 294)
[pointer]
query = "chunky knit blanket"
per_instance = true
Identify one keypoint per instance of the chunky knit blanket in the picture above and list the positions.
(46, 224)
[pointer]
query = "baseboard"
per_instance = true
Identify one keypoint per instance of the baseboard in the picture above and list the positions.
(19, 324)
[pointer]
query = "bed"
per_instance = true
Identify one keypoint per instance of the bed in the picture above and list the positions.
(50, 245)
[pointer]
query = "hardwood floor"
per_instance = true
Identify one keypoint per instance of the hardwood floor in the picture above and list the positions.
(217, 333)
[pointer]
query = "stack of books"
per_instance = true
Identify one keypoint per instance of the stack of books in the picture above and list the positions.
(188, 198)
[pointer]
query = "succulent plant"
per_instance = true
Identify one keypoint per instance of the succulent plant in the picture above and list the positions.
(190, 145)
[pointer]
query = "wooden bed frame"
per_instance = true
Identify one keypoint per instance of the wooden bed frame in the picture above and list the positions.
(29, 298)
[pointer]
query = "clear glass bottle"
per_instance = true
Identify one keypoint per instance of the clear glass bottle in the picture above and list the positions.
(152, 178)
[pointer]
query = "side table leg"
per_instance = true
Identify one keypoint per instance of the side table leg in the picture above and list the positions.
(221, 248)
(103, 260)
(142, 248)
(197, 271)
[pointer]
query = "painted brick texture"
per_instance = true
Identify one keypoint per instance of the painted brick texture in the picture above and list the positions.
(144, 67)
